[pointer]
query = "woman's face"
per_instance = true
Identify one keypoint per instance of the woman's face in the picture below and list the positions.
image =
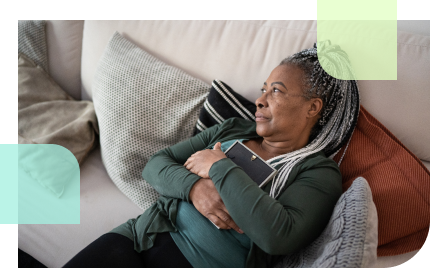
(282, 111)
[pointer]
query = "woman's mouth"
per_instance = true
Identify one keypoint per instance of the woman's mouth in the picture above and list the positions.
(260, 117)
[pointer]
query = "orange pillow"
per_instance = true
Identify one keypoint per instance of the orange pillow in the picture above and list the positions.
(400, 184)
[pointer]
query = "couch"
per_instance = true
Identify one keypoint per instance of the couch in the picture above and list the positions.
(240, 53)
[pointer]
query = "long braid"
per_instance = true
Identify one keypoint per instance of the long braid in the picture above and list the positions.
(339, 114)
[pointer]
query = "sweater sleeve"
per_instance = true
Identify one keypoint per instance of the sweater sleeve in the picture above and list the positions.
(282, 226)
(165, 171)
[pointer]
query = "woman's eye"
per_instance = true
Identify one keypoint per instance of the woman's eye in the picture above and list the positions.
(274, 90)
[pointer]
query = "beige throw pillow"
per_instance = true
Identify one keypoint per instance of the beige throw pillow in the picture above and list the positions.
(48, 115)
(143, 105)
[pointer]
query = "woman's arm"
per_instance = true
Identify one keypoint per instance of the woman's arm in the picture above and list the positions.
(285, 225)
(165, 171)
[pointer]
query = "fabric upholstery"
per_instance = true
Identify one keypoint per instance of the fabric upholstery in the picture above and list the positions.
(48, 115)
(402, 105)
(32, 41)
(399, 181)
(350, 238)
(236, 52)
(56, 44)
(243, 53)
(64, 41)
(143, 105)
(244, 60)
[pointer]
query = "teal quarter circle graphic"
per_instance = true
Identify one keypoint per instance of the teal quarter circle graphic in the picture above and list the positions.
(48, 185)
(52, 165)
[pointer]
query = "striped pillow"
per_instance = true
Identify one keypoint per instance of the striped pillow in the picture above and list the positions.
(223, 103)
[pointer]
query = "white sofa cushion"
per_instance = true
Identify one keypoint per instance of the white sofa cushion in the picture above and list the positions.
(240, 53)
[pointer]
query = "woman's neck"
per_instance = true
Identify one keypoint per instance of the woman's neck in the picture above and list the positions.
(279, 148)
(267, 149)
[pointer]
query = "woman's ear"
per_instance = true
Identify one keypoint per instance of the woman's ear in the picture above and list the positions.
(315, 107)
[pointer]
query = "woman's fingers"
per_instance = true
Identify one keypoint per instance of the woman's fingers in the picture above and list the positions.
(225, 218)
(188, 165)
(208, 202)
(189, 160)
(223, 221)
(217, 221)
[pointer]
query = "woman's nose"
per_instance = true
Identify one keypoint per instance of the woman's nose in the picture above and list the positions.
(261, 102)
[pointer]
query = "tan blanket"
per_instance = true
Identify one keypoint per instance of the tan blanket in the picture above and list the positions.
(48, 115)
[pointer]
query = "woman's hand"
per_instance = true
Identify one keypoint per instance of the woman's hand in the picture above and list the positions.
(201, 162)
(204, 194)
(208, 202)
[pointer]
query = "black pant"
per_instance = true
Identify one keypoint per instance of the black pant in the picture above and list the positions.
(115, 250)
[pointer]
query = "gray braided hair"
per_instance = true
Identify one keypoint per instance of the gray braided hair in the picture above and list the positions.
(339, 114)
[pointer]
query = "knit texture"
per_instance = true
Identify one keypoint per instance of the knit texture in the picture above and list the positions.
(143, 105)
(349, 240)
(399, 181)
(32, 41)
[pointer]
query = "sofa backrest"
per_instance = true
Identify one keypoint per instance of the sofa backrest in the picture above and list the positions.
(64, 43)
(243, 53)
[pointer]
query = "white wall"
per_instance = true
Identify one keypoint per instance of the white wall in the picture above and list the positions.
(9, 41)
(9, 232)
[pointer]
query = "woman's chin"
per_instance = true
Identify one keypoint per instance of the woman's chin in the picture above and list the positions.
(261, 130)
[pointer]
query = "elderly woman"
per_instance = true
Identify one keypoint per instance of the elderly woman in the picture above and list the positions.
(303, 115)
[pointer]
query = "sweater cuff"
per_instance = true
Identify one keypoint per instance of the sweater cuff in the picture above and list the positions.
(221, 168)
(189, 186)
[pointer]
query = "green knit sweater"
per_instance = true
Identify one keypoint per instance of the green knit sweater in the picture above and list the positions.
(276, 227)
